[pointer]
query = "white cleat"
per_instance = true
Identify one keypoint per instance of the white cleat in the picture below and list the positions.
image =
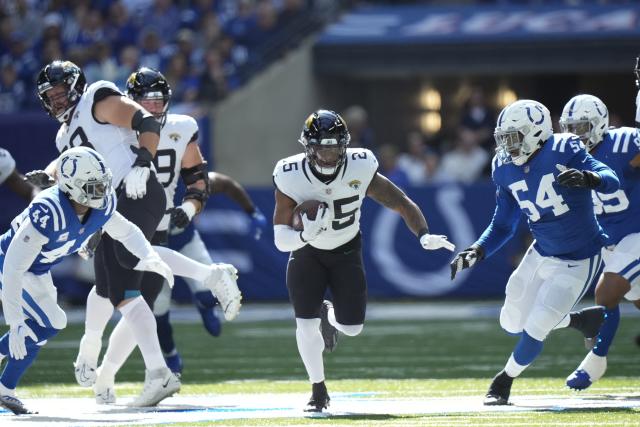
(104, 390)
(87, 361)
(158, 385)
(222, 282)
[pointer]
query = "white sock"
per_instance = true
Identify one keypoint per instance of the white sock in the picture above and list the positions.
(310, 346)
(513, 368)
(350, 330)
(143, 326)
(564, 322)
(98, 313)
(5, 391)
(122, 342)
(183, 266)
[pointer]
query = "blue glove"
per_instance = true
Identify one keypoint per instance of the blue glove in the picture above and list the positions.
(258, 224)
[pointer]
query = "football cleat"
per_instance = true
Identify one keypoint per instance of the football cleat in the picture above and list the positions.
(588, 321)
(14, 405)
(158, 385)
(319, 398)
(590, 370)
(87, 361)
(222, 283)
(329, 332)
(499, 390)
(104, 389)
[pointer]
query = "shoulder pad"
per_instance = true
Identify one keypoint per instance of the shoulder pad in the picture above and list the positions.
(566, 143)
(101, 84)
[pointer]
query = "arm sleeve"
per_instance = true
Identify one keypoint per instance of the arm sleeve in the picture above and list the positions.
(584, 161)
(127, 233)
(503, 225)
(22, 252)
(286, 238)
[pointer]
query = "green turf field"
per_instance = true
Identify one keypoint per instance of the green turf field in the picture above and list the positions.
(395, 358)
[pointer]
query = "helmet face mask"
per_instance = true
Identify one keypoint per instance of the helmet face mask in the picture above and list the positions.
(522, 128)
(325, 138)
(587, 117)
(84, 178)
(147, 84)
(60, 85)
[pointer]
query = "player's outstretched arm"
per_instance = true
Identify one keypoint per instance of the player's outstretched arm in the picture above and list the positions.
(220, 183)
(127, 233)
(21, 186)
(389, 195)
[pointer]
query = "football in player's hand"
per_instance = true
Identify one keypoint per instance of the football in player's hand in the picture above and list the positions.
(310, 207)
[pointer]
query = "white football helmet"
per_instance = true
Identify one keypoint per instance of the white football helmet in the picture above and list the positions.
(522, 128)
(83, 175)
(587, 117)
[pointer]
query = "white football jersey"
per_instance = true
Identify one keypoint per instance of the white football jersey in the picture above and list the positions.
(178, 131)
(7, 165)
(113, 142)
(344, 195)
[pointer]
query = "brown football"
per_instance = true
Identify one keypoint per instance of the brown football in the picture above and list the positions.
(310, 207)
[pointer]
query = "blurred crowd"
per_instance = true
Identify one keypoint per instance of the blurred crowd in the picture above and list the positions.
(461, 154)
(206, 48)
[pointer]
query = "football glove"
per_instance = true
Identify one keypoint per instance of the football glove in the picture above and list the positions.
(18, 333)
(466, 259)
(88, 248)
(40, 179)
(136, 180)
(258, 224)
(574, 178)
(155, 264)
(182, 215)
(313, 228)
(435, 241)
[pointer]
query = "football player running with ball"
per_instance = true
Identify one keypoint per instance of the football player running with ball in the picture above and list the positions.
(327, 252)
(549, 177)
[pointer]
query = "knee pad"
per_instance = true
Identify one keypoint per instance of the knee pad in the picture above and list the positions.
(205, 299)
(351, 330)
(511, 319)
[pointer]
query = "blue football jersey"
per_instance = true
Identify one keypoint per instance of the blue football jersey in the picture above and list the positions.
(618, 212)
(52, 214)
(561, 219)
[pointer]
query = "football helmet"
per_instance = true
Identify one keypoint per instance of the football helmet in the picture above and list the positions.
(522, 128)
(325, 138)
(585, 116)
(83, 175)
(149, 84)
(58, 73)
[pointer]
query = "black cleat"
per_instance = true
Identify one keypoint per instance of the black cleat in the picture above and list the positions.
(588, 321)
(319, 398)
(14, 405)
(329, 333)
(499, 390)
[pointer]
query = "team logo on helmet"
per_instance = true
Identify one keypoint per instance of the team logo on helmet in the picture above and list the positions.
(68, 167)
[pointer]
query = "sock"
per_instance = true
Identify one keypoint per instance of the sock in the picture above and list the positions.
(183, 266)
(98, 313)
(310, 347)
(122, 342)
(527, 349)
(607, 331)
(165, 333)
(513, 368)
(143, 326)
(15, 369)
(350, 330)
(204, 300)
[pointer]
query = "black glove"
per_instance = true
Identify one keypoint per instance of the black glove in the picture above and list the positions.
(40, 179)
(179, 218)
(466, 259)
(144, 157)
(88, 249)
(579, 179)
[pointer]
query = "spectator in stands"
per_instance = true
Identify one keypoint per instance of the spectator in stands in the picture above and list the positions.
(121, 30)
(388, 157)
(184, 85)
(150, 47)
(357, 120)
(103, 66)
(291, 11)
(240, 26)
(26, 17)
(129, 62)
(213, 82)
(414, 161)
(12, 91)
(466, 161)
(163, 17)
(479, 118)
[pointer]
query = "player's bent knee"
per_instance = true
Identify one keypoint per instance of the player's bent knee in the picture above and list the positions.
(511, 320)
(351, 330)
(611, 290)
(307, 327)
